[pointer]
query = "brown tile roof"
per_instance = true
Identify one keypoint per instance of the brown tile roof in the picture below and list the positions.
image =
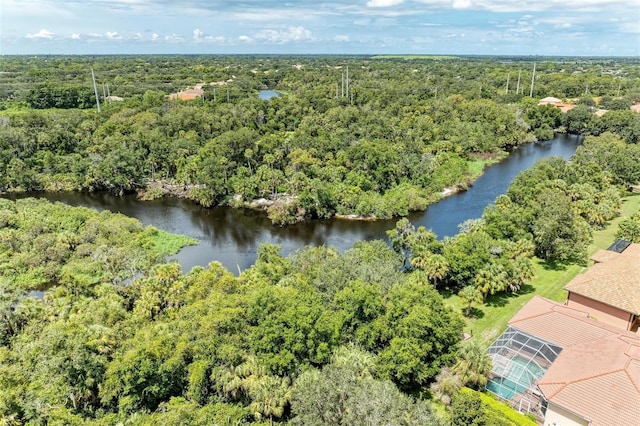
(614, 281)
(603, 255)
(597, 374)
(187, 95)
(551, 321)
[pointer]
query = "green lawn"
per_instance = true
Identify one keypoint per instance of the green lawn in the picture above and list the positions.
(166, 244)
(491, 319)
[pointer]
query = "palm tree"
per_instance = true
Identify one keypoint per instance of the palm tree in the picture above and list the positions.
(524, 268)
(446, 385)
(474, 364)
(418, 258)
(482, 281)
(436, 267)
(469, 296)
(270, 396)
(491, 279)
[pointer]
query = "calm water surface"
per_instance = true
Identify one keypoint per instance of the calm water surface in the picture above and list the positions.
(265, 95)
(232, 236)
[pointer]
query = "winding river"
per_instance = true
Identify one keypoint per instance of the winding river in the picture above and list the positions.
(232, 236)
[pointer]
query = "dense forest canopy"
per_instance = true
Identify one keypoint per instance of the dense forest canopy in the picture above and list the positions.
(384, 141)
(318, 337)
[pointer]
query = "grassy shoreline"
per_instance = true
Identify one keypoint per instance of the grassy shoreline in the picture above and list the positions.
(491, 319)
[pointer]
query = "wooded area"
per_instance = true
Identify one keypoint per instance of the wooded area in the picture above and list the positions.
(317, 337)
(386, 143)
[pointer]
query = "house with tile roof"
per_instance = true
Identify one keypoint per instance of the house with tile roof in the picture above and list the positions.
(557, 103)
(610, 289)
(187, 95)
(567, 368)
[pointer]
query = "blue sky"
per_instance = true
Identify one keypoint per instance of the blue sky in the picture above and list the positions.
(492, 27)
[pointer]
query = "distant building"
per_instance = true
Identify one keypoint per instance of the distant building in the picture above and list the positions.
(555, 102)
(187, 95)
(635, 108)
(550, 100)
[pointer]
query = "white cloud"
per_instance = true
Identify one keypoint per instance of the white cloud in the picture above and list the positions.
(245, 38)
(291, 34)
(173, 37)
(200, 36)
(461, 4)
(341, 38)
(113, 35)
(42, 34)
(384, 3)
(75, 36)
(154, 36)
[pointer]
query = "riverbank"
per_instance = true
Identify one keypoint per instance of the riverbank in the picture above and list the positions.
(231, 235)
(277, 205)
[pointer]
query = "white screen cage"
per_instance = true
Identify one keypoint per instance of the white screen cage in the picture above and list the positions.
(519, 361)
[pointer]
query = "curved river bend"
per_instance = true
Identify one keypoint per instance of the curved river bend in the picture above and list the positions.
(232, 236)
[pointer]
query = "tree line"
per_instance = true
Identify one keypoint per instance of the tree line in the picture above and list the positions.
(318, 337)
(389, 148)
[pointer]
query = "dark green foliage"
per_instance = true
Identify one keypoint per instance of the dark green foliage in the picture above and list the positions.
(467, 410)
(629, 229)
(347, 394)
(579, 120)
(408, 132)
(66, 96)
(414, 337)
(207, 347)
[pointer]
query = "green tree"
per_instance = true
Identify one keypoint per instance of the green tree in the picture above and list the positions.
(400, 238)
(469, 296)
(629, 229)
(436, 268)
(467, 410)
(473, 364)
(416, 336)
(559, 235)
(270, 396)
(346, 394)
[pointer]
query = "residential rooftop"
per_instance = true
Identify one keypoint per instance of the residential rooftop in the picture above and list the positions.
(613, 280)
(597, 373)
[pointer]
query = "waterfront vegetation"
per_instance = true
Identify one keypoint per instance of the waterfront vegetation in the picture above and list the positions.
(371, 335)
(386, 141)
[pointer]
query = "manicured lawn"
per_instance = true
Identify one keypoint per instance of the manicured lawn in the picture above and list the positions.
(491, 319)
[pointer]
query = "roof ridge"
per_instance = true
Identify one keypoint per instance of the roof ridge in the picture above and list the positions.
(559, 385)
(534, 315)
(605, 373)
(626, 370)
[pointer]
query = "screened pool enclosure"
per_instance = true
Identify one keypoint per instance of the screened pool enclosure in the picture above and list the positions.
(519, 361)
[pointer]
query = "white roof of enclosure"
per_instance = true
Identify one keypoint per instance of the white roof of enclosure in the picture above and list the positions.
(519, 361)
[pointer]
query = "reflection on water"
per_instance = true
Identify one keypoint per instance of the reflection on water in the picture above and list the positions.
(265, 95)
(232, 236)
